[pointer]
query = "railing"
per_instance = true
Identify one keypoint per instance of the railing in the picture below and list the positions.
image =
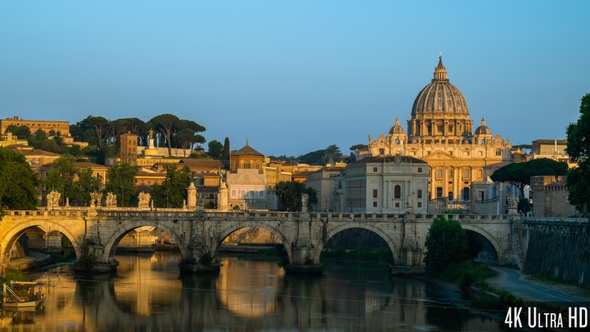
(12, 292)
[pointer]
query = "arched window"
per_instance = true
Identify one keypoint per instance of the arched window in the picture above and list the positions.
(397, 191)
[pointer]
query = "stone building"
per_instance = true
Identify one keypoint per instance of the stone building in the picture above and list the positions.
(48, 126)
(247, 185)
(386, 184)
(440, 132)
(550, 197)
(325, 182)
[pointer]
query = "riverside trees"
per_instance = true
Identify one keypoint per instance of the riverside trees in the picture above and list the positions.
(578, 148)
(18, 182)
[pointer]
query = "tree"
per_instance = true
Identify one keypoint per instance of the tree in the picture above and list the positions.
(446, 243)
(100, 126)
(215, 149)
(18, 182)
(74, 183)
(519, 174)
(578, 148)
(289, 195)
(165, 123)
(225, 154)
(172, 192)
(186, 137)
(121, 182)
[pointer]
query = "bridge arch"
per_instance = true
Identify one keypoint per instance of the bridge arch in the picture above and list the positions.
(379, 231)
(489, 238)
(126, 226)
(12, 235)
(271, 227)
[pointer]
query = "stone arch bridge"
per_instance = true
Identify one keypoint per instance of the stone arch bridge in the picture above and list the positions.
(303, 234)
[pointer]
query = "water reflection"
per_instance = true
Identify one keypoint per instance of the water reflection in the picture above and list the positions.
(147, 294)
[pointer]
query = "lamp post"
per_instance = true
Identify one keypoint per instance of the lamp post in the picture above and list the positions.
(122, 199)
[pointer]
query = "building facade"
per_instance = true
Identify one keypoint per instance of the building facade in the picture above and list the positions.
(440, 132)
(386, 184)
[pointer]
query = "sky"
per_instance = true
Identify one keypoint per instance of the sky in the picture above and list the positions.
(292, 77)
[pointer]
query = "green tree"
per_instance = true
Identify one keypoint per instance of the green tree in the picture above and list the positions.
(121, 182)
(166, 124)
(22, 132)
(289, 195)
(18, 182)
(519, 174)
(215, 149)
(172, 192)
(225, 154)
(74, 183)
(578, 148)
(446, 243)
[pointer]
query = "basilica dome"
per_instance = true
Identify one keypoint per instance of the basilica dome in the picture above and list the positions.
(483, 129)
(440, 96)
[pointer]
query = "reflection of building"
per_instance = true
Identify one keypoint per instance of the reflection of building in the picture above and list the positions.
(394, 184)
(440, 132)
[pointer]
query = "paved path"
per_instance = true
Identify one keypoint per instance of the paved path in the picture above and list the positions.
(516, 283)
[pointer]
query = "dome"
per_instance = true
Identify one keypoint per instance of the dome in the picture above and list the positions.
(440, 96)
(483, 129)
(397, 129)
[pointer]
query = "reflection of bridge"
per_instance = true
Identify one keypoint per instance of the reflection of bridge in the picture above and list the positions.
(303, 234)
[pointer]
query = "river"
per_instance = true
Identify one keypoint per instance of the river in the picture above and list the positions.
(146, 294)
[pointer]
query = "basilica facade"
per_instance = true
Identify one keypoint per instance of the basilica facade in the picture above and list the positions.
(440, 132)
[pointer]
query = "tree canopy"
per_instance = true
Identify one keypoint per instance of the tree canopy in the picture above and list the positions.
(121, 182)
(578, 148)
(446, 243)
(289, 195)
(172, 192)
(519, 174)
(74, 183)
(18, 182)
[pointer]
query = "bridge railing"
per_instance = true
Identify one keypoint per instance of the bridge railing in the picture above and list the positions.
(47, 213)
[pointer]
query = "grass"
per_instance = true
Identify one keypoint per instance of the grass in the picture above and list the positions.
(11, 274)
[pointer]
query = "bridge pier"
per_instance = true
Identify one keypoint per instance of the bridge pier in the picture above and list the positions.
(304, 253)
(409, 260)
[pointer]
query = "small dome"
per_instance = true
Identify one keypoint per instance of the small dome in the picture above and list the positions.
(397, 128)
(483, 129)
(440, 96)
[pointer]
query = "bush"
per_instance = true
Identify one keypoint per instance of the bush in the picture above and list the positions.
(446, 243)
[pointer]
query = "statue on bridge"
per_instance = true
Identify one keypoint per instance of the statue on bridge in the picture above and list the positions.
(144, 201)
(304, 202)
(53, 200)
(95, 199)
(111, 200)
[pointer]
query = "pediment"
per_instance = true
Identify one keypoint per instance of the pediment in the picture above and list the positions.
(439, 155)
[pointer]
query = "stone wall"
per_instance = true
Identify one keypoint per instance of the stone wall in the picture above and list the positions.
(559, 248)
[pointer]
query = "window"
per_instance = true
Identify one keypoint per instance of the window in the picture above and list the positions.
(439, 173)
(419, 169)
(374, 193)
(397, 191)
(419, 204)
(375, 169)
(374, 204)
(498, 152)
(396, 205)
(438, 192)
(381, 152)
(419, 193)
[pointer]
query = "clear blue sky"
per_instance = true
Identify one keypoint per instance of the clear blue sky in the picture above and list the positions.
(295, 76)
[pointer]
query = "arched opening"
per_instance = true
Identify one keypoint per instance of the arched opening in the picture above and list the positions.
(40, 243)
(254, 241)
(143, 239)
(481, 249)
(358, 244)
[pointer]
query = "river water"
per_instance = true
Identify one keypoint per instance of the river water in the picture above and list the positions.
(147, 294)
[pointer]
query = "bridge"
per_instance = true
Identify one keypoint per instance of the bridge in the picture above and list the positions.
(303, 234)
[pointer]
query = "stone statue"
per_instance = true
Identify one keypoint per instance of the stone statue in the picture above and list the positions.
(95, 198)
(200, 202)
(304, 202)
(111, 200)
(144, 200)
(410, 200)
(53, 200)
